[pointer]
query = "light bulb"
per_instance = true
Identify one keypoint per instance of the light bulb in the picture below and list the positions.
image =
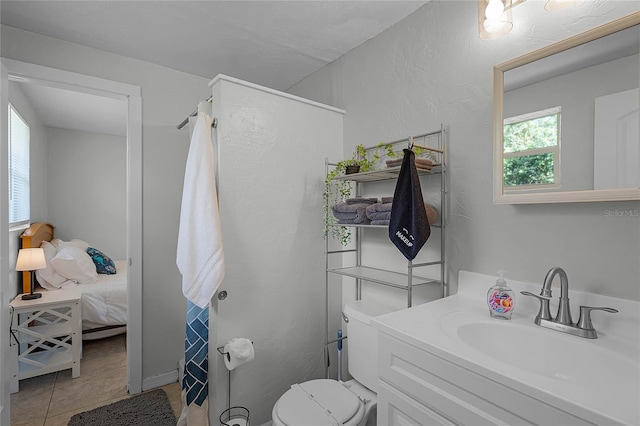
(494, 9)
(494, 25)
(494, 18)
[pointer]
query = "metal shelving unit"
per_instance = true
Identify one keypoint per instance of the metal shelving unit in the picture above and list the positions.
(408, 280)
(404, 281)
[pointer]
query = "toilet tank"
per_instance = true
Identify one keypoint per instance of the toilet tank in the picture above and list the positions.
(362, 342)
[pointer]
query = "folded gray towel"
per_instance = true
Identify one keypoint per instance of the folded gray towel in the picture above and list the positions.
(380, 222)
(418, 161)
(420, 168)
(379, 207)
(353, 222)
(347, 221)
(361, 200)
(423, 168)
(349, 208)
(344, 216)
(379, 215)
(384, 200)
(357, 212)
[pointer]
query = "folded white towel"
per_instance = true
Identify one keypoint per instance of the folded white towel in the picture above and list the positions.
(200, 258)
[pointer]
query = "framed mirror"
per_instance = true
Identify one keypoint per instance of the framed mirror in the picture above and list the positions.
(565, 119)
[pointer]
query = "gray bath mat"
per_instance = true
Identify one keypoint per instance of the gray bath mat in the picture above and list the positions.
(149, 408)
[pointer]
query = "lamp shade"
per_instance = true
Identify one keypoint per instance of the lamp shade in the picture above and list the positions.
(31, 259)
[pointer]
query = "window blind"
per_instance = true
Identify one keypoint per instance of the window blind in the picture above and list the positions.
(19, 198)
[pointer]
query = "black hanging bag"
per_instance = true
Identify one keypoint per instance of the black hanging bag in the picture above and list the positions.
(408, 225)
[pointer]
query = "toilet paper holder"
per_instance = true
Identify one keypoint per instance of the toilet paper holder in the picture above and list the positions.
(238, 415)
(221, 351)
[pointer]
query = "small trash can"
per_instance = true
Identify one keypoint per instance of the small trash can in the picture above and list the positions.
(235, 416)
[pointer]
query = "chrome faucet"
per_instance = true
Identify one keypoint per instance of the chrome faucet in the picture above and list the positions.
(563, 322)
(564, 310)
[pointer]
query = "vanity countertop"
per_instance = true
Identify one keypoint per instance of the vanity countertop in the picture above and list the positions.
(595, 379)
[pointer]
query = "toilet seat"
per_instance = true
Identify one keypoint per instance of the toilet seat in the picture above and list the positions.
(320, 402)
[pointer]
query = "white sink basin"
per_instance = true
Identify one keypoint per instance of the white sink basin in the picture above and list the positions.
(539, 351)
(597, 380)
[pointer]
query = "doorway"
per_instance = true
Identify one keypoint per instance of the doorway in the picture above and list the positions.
(129, 97)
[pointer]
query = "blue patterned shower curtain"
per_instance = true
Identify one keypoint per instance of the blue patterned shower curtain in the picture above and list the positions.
(196, 348)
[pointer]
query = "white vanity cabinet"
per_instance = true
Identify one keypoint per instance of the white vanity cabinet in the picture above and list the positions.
(420, 388)
(448, 362)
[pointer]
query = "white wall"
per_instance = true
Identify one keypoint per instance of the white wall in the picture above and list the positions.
(87, 188)
(432, 68)
(271, 151)
(167, 97)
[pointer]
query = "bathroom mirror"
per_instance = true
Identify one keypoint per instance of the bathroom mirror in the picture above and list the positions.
(565, 119)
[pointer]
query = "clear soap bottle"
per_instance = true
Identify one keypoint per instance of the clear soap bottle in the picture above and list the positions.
(501, 299)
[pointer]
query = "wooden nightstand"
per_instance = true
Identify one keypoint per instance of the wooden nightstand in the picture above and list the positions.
(46, 334)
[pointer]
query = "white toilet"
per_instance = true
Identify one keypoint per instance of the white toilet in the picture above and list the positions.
(329, 402)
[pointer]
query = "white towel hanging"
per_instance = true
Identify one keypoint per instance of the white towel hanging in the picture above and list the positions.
(200, 257)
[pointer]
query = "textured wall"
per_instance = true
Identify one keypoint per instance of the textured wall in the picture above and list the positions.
(432, 68)
(270, 153)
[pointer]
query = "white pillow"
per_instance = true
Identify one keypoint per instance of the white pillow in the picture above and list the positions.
(75, 264)
(48, 277)
(83, 245)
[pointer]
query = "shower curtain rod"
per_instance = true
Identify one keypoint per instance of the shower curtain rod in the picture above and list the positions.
(193, 114)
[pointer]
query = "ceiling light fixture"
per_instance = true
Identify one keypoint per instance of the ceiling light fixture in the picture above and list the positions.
(558, 4)
(495, 19)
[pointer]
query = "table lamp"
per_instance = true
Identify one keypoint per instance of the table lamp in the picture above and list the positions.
(31, 259)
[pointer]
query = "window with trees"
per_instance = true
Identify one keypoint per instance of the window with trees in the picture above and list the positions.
(531, 156)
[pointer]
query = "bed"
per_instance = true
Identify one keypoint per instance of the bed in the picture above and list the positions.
(104, 296)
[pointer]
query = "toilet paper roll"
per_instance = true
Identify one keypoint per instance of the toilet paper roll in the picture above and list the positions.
(238, 351)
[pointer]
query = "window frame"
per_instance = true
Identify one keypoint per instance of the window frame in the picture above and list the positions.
(23, 223)
(555, 150)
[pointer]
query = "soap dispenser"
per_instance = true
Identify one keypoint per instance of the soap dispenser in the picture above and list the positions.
(501, 299)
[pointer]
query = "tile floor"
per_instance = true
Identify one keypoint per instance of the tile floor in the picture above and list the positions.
(52, 399)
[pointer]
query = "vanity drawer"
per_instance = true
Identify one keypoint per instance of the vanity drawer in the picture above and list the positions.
(458, 394)
(395, 408)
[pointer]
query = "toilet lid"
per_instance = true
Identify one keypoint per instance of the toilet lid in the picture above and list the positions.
(321, 402)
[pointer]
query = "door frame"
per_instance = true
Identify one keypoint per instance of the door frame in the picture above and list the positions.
(5, 298)
(38, 74)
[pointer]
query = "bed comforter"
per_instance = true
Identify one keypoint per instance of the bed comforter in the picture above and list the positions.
(105, 301)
